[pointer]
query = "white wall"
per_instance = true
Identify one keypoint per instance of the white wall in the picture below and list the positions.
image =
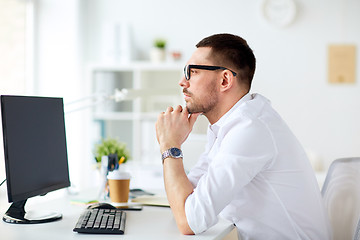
(291, 61)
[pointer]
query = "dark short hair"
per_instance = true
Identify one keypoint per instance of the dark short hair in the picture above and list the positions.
(232, 52)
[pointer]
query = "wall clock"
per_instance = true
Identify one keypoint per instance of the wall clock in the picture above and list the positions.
(280, 13)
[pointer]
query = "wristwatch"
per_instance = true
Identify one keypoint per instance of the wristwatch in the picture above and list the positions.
(172, 152)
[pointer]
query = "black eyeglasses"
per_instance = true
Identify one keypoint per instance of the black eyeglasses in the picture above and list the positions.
(187, 69)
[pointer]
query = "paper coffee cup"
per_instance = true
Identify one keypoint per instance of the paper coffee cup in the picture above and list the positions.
(119, 184)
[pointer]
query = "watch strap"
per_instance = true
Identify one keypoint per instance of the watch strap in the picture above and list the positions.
(168, 153)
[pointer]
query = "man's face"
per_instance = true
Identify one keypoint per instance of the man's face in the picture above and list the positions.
(201, 90)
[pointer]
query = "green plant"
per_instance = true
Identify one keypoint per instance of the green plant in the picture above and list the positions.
(160, 43)
(111, 146)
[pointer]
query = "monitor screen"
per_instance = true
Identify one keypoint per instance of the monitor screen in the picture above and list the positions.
(34, 146)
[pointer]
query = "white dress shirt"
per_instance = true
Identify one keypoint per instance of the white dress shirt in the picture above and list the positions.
(255, 173)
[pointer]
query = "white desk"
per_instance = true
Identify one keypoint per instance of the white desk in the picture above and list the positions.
(150, 223)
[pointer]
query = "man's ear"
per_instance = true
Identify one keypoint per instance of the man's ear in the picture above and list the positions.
(227, 80)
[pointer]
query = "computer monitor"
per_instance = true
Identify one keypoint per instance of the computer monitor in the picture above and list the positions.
(35, 152)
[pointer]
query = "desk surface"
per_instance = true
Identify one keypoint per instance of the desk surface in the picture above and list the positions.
(150, 223)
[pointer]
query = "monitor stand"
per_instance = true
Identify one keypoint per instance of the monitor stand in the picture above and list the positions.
(16, 214)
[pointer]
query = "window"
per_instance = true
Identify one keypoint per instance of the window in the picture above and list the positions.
(15, 46)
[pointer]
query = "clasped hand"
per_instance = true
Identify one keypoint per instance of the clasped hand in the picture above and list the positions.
(174, 126)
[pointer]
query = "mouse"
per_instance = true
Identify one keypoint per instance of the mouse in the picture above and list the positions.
(101, 206)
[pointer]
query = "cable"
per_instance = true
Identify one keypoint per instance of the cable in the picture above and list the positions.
(2, 182)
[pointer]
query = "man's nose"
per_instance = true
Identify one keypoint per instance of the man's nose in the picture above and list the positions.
(183, 82)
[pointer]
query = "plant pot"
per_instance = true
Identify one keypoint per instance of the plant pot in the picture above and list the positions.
(157, 55)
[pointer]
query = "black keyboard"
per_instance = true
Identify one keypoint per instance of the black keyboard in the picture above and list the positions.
(103, 221)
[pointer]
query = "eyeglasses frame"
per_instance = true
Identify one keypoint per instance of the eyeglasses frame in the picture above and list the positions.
(203, 67)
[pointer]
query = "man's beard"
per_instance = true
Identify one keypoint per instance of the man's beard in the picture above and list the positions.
(204, 105)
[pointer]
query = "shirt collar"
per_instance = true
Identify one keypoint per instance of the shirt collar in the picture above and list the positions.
(216, 126)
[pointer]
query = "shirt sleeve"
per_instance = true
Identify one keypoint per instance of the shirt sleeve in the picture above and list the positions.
(198, 170)
(245, 149)
(201, 165)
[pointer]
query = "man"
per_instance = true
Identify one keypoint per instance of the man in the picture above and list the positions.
(254, 171)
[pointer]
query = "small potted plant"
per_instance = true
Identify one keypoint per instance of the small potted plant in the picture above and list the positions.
(160, 43)
(111, 146)
(158, 52)
(109, 155)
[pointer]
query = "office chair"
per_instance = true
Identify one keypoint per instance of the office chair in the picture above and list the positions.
(357, 234)
(341, 195)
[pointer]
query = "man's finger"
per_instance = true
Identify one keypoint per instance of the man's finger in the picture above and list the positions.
(193, 118)
(169, 109)
(178, 108)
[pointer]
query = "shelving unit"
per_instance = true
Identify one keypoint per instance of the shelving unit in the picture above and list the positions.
(133, 121)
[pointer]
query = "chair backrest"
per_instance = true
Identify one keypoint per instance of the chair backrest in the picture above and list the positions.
(357, 233)
(341, 194)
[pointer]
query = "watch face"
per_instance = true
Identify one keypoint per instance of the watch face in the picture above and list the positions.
(175, 152)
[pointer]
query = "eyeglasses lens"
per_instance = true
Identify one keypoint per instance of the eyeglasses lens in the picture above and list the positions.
(187, 72)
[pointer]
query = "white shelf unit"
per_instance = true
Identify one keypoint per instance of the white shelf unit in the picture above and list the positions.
(133, 121)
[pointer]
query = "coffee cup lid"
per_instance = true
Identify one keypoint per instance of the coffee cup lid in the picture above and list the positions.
(118, 175)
